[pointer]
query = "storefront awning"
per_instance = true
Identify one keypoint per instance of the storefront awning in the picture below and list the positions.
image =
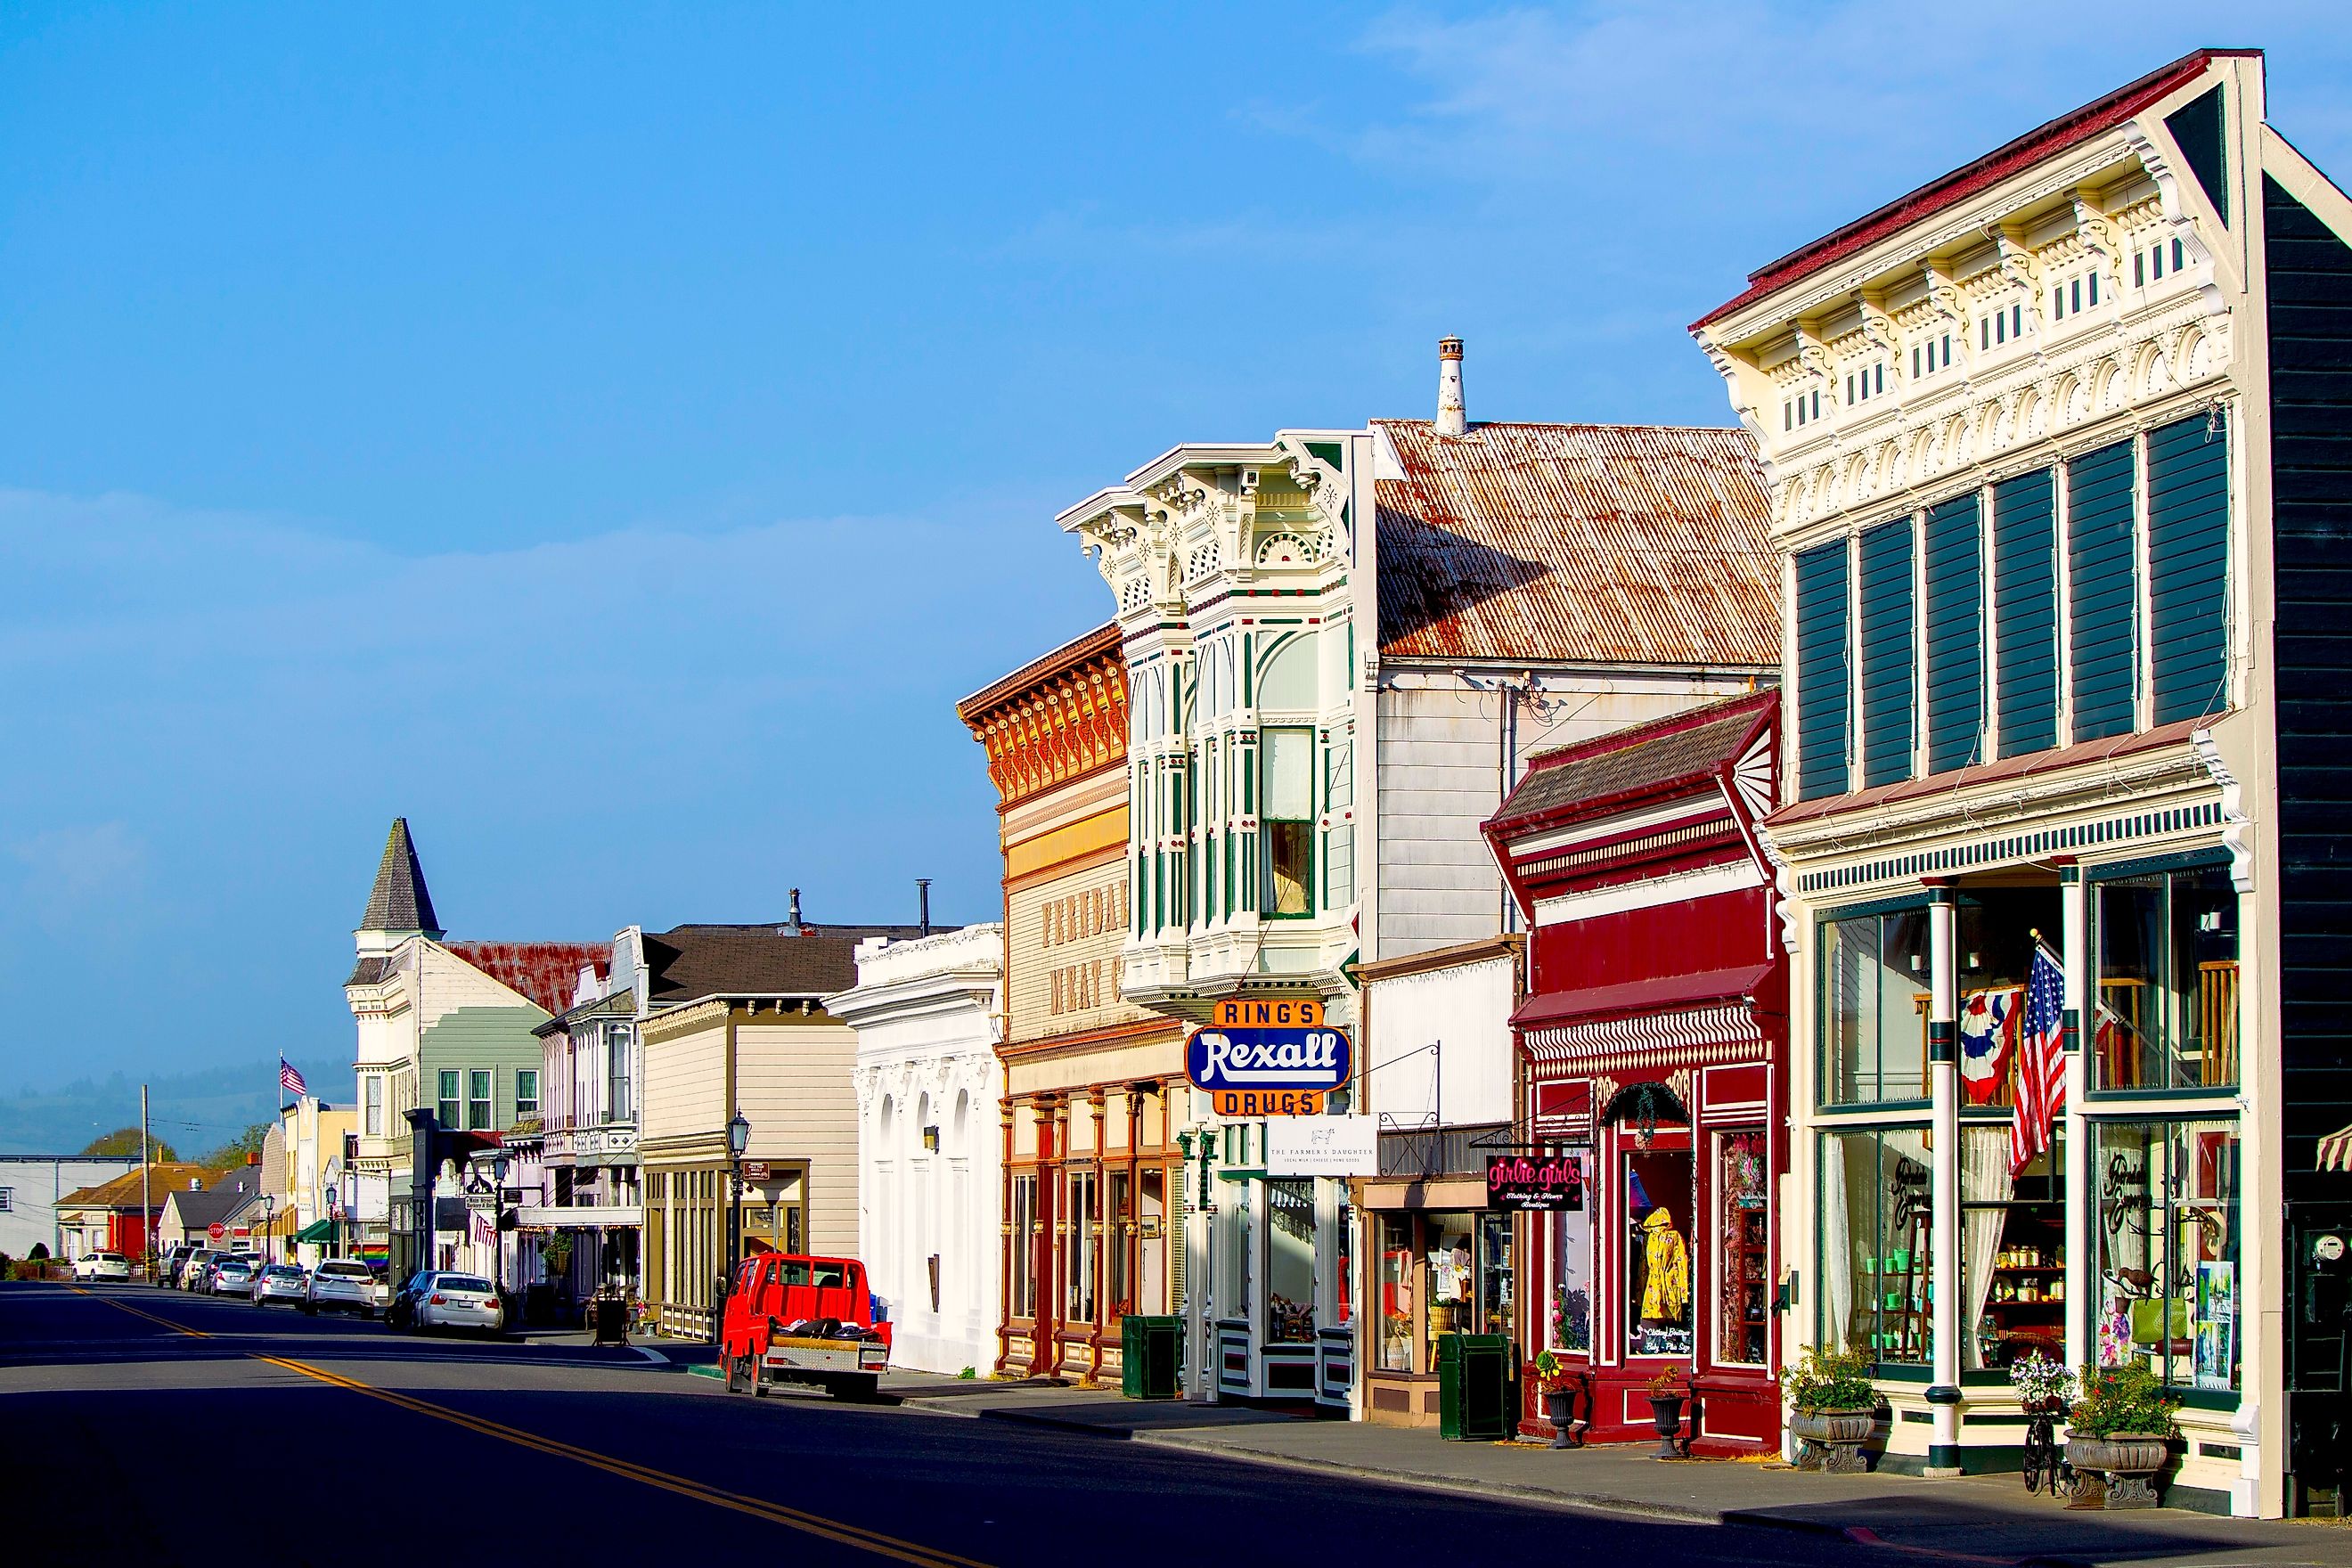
(321, 1231)
(1554, 1010)
(2335, 1151)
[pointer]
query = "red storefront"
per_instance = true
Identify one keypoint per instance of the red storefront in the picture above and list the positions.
(1652, 1048)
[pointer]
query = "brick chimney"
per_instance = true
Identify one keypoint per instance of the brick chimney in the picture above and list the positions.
(1450, 420)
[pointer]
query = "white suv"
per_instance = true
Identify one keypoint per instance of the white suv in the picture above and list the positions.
(341, 1285)
(101, 1266)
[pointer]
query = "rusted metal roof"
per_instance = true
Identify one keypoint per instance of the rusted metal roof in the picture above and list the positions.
(1577, 544)
(1594, 774)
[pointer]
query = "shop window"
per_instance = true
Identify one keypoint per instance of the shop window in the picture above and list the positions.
(1995, 929)
(1571, 1279)
(2168, 982)
(1290, 1262)
(1119, 1235)
(1743, 1259)
(2166, 1223)
(1875, 1261)
(1151, 1243)
(1452, 1277)
(1874, 1008)
(448, 1104)
(1657, 1187)
(477, 1100)
(1498, 1268)
(1400, 1312)
(1288, 832)
(2013, 1250)
(1346, 1282)
(1083, 1229)
(1025, 1245)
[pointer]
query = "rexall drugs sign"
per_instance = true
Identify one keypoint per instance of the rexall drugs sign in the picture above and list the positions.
(1268, 1058)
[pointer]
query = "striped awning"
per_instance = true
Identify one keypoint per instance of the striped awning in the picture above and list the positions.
(1650, 1039)
(2335, 1151)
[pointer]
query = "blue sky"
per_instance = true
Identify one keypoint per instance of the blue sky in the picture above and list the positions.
(614, 437)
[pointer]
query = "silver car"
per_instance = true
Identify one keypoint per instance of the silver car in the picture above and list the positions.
(233, 1275)
(340, 1285)
(460, 1301)
(281, 1282)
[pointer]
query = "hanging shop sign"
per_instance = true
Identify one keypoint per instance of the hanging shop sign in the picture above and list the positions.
(1323, 1146)
(1268, 1057)
(1534, 1183)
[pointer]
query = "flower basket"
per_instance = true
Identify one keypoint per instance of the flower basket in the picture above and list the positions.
(1835, 1410)
(2121, 1431)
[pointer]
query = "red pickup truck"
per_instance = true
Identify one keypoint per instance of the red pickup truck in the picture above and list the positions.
(795, 1318)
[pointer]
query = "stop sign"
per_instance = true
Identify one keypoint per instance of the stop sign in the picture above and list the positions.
(214, 1231)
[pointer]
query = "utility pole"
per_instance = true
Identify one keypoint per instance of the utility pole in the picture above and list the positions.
(146, 1180)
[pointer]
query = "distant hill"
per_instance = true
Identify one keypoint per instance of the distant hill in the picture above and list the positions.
(191, 1110)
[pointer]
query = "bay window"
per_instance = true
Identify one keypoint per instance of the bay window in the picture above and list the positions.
(1874, 979)
(1286, 831)
(2168, 982)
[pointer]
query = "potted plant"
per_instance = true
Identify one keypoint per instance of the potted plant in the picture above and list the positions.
(1834, 1408)
(1667, 1390)
(2122, 1429)
(1556, 1382)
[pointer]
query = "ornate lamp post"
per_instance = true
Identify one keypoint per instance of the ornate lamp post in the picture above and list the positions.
(739, 1138)
(268, 1234)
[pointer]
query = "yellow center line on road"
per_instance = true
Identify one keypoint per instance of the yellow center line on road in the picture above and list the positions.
(758, 1508)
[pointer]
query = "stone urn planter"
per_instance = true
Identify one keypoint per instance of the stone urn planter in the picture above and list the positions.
(1832, 1440)
(1666, 1416)
(1559, 1409)
(2123, 1463)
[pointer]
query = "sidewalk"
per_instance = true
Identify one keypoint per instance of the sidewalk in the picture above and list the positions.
(1982, 1519)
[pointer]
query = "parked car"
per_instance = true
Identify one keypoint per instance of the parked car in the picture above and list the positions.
(233, 1275)
(101, 1266)
(281, 1282)
(340, 1285)
(167, 1267)
(195, 1269)
(443, 1300)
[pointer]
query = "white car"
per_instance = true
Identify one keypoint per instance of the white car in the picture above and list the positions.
(101, 1266)
(341, 1285)
(457, 1301)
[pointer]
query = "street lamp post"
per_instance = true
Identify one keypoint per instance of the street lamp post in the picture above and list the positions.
(739, 1138)
(269, 1233)
(498, 1219)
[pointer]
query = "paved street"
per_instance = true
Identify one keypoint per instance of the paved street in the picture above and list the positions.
(146, 1416)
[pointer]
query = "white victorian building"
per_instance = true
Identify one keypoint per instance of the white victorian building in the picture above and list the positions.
(927, 1012)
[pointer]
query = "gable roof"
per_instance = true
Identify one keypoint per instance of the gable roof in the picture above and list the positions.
(1577, 544)
(690, 963)
(164, 1176)
(399, 901)
(212, 1204)
(1641, 759)
(546, 972)
(1950, 190)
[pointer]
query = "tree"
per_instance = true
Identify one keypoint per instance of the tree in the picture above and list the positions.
(40, 1250)
(123, 1144)
(234, 1152)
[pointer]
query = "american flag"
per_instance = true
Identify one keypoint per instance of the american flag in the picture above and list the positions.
(290, 1077)
(2041, 1059)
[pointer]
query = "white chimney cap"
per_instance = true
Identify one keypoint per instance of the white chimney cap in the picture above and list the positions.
(1451, 420)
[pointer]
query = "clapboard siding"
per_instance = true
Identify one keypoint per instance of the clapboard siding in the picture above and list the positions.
(794, 1084)
(1823, 692)
(2103, 591)
(2025, 612)
(2188, 565)
(684, 1084)
(1953, 561)
(2310, 326)
(1886, 646)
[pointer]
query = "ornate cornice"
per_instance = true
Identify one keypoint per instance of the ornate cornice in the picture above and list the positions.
(1070, 721)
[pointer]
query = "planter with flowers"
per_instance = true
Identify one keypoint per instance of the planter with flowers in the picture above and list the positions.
(1556, 1380)
(1834, 1409)
(1667, 1392)
(2121, 1430)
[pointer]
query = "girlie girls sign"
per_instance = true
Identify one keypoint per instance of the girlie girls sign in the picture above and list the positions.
(1534, 1183)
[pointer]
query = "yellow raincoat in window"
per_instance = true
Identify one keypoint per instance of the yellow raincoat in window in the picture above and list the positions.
(1666, 1271)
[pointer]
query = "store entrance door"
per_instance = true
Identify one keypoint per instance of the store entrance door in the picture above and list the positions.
(2319, 1356)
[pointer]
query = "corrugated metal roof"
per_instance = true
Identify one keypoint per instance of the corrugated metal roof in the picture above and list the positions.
(1681, 746)
(1604, 544)
(546, 972)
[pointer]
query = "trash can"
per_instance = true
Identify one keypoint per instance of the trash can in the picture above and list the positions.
(1148, 1352)
(1473, 1387)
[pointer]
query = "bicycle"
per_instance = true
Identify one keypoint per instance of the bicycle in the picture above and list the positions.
(2045, 1456)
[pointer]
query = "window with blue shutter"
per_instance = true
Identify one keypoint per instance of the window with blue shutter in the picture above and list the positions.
(1822, 677)
(2025, 612)
(1885, 562)
(1954, 569)
(2188, 566)
(2102, 591)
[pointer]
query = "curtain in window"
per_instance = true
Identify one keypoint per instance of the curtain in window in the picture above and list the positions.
(1984, 1179)
(1837, 1248)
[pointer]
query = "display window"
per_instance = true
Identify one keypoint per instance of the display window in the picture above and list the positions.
(1874, 971)
(1023, 1286)
(2168, 982)
(1497, 1268)
(1082, 1227)
(1290, 1262)
(2167, 1224)
(1400, 1300)
(1346, 1283)
(2013, 1250)
(1658, 1189)
(1570, 1313)
(1876, 1260)
(1449, 1247)
(1743, 1248)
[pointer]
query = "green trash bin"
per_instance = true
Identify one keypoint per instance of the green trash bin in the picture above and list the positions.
(1149, 1349)
(1473, 1387)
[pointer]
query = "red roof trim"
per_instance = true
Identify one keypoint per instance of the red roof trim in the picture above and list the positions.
(1503, 830)
(1950, 190)
(1552, 1009)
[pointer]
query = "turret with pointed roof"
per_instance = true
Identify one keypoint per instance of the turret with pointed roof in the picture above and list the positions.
(399, 903)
